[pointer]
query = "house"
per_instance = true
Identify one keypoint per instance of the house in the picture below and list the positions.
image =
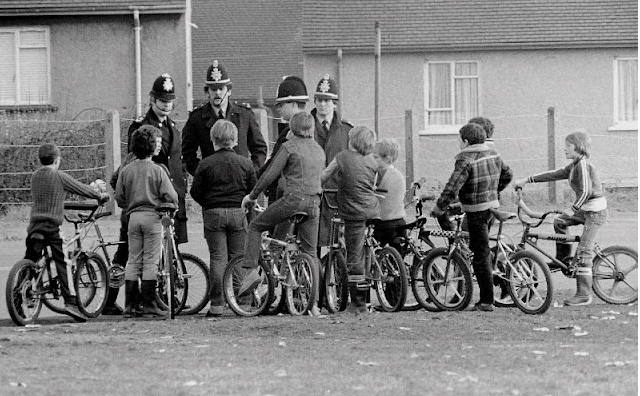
(511, 61)
(68, 56)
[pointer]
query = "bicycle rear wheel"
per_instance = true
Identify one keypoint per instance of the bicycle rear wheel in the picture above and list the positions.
(22, 303)
(277, 303)
(336, 285)
(302, 284)
(447, 280)
(418, 287)
(195, 278)
(91, 281)
(530, 283)
(255, 299)
(391, 284)
(615, 275)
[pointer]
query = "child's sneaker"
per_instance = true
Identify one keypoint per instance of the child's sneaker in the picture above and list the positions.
(576, 301)
(73, 311)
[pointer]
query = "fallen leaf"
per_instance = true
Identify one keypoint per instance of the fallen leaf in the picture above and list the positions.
(201, 346)
(159, 350)
(19, 384)
(167, 337)
(617, 363)
(450, 373)
(280, 373)
(282, 344)
(539, 352)
(557, 304)
(34, 325)
(610, 317)
(363, 363)
(404, 328)
(468, 378)
(577, 353)
(569, 327)
(319, 333)
(580, 333)
(632, 313)
(540, 329)
(190, 383)
(414, 355)
(611, 312)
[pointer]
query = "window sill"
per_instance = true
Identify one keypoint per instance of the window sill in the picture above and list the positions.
(624, 126)
(29, 109)
(441, 130)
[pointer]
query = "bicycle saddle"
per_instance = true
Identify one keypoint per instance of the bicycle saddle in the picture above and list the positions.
(298, 217)
(37, 241)
(166, 207)
(502, 215)
(418, 223)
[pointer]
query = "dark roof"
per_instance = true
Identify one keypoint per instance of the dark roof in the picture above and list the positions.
(448, 25)
(88, 7)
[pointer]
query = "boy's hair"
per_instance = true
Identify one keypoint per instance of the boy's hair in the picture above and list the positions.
(484, 123)
(302, 124)
(581, 140)
(362, 139)
(473, 134)
(386, 149)
(143, 141)
(47, 153)
(224, 133)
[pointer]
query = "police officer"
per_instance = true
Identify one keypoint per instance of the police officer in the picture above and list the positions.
(161, 103)
(196, 131)
(291, 98)
(332, 134)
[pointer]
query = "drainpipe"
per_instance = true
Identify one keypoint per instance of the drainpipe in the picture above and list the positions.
(340, 91)
(188, 24)
(136, 29)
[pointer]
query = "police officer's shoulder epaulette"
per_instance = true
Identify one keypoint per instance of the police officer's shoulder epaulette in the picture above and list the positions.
(199, 107)
(139, 119)
(244, 104)
(346, 122)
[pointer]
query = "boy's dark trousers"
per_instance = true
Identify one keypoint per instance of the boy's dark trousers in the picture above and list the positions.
(479, 245)
(51, 233)
(120, 257)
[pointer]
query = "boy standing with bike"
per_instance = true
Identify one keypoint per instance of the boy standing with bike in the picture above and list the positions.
(49, 188)
(478, 176)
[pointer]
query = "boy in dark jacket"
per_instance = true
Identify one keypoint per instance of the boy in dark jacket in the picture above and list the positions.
(478, 176)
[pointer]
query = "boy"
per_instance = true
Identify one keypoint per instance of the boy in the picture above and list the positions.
(49, 188)
(478, 176)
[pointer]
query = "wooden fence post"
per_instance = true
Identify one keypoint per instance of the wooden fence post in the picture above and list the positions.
(551, 150)
(112, 151)
(408, 146)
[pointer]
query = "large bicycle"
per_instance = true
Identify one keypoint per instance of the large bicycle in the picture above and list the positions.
(250, 291)
(31, 284)
(615, 268)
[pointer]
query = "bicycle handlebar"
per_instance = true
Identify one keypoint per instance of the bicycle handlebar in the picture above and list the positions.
(523, 208)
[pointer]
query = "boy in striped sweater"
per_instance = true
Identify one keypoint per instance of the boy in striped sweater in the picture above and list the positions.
(49, 188)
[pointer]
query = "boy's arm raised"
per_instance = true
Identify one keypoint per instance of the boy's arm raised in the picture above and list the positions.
(73, 186)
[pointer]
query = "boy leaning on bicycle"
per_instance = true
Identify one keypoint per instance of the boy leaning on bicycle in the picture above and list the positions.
(49, 189)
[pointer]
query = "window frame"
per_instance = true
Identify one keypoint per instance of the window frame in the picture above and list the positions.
(453, 128)
(617, 124)
(19, 102)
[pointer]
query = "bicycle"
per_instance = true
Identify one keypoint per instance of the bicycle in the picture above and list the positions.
(296, 272)
(333, 271)
(615, 278)
(31, 284)
(181, 275)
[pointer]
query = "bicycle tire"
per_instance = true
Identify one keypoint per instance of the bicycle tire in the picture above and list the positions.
(391, 285)
(417, 287)
(91, 281)
(530, 283)
(618, 264)
(336, 284)
(447, 281)
(305, 275)
(23, 306)
(257, 300)
(198, 284)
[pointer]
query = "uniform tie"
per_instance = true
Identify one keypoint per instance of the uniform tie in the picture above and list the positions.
(220, 115)
(325, 125)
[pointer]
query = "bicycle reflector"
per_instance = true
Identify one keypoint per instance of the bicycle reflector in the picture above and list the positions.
(116, 276)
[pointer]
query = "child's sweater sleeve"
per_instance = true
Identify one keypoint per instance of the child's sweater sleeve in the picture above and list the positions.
(558, 174)
(272, 172)
(581, 184)
(166, 190)
(73, 186)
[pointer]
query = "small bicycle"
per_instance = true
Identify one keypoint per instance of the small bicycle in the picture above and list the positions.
(29, 284)
(333, 271)
(615, 268)
(281, 264)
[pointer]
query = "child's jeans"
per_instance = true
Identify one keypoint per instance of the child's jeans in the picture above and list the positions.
(145, 243)
(386, 233)
(479, 245)
(354, 235)
(592, 222)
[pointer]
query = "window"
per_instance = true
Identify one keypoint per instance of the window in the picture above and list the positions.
(451, 90)
(24, 66)
(625, 86)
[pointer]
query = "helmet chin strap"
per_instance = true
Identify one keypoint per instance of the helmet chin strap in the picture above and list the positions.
(225, 95)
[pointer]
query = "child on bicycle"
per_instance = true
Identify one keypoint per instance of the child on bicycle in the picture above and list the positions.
(141, 187)
(299, 161)
(391, 186)
(589, 208)
(49, 188)
(478, 176)
(357, 203)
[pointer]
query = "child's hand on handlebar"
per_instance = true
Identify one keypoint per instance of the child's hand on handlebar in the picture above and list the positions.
(436, 211)
(104, 198)
(518, 184)
(247, 203)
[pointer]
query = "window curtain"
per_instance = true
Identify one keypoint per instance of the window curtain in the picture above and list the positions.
(628, 90)
(440, 94)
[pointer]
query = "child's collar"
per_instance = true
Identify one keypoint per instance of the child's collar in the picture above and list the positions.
(475, 148)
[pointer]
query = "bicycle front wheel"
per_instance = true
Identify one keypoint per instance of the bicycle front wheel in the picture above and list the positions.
(447, 280)
(336, 285)
(391, 284)
(615, 275)
(247, 290)
(91, 281)
(196, 284)
(22, 303)
(302, 284)
(418, 287)
(529, 281)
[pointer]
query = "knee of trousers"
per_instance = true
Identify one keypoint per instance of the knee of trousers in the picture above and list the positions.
(149, 271)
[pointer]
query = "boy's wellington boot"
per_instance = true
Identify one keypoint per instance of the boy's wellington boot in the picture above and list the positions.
(131, 298)
(358, 295)
(110, 307)
(584, 281)
(150, 306)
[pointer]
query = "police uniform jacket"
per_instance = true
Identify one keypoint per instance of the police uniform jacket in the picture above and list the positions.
(333, 142)
(170, 154)
(196, 134)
